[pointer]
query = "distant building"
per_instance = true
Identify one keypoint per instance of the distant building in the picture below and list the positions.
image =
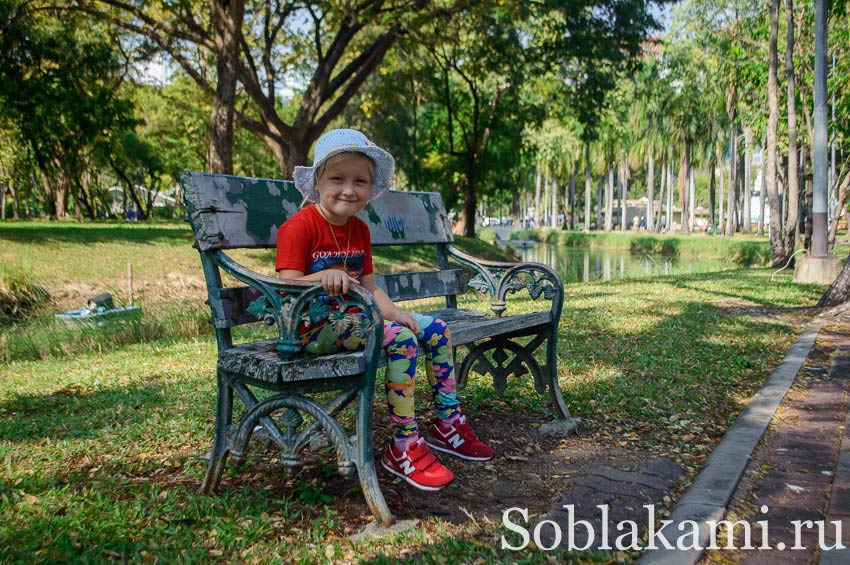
(116, 201)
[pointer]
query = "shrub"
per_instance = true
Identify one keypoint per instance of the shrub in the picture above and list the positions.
(487, 234)
(576, 239)
(749, 253)
(525, 235)
(19, 295)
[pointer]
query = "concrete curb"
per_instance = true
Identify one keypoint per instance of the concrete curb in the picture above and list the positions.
(707, 497)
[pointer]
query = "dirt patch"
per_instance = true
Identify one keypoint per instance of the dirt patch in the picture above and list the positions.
(529, 471)
(737, 307)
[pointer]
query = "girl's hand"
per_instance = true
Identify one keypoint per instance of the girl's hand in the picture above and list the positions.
(407, 320)
(336, 282)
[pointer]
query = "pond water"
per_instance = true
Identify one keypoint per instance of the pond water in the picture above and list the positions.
(584, 265)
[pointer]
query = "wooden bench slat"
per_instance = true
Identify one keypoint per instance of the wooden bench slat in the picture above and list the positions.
(260, 360)
(468, 326)
(236, 212)
(233, 301)
(411, 286)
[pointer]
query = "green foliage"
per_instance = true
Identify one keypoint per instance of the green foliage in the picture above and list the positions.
(655, 245)
(19, 295)
(749, 253)
(59, 79)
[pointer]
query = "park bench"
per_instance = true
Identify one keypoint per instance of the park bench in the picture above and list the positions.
(228, 212)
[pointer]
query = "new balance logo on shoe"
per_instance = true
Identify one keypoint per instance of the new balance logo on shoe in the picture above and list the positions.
(455, 440)
(406, 466)
(417, 466)
(459, 440)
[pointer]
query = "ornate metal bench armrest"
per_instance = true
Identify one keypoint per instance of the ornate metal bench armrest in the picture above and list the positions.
(500, 278)
(289, 303)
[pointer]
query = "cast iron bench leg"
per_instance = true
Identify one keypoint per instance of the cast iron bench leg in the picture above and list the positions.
(223, 419)
(554, 387)
(365, 459)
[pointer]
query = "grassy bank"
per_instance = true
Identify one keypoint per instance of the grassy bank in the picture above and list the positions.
(742, 250)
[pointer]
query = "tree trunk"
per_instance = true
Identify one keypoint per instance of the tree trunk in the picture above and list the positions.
(609, 200)
(839, 207)
(712, 189)
(789, 239)
(587, 183)
(720, 199)
(226, 19)
(572, 199)
(84, 201)
(839, 290)
(662, 195)
(809, 189)
(670, 193)
(731, 212)
(621, 197)
(15, 201)
(739, 190)
(746, 223)
(777, 250)
(467, 213)
(684, 188)
(537, 198)
(650, 191)
(554, 216)
(801, 200)
(692, 199)
(762, 197)
(599, 200)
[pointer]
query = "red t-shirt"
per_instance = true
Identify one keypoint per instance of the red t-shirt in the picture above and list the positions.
(305, 243)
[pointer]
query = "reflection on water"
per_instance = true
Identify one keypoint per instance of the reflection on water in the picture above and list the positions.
(575, 265)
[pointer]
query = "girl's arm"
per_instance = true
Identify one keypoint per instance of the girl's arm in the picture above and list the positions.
(388, 308)
(334, 281)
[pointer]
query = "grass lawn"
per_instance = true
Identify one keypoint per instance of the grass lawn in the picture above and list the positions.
(102, 440)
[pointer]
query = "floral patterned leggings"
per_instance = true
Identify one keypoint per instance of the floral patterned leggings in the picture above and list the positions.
(402, 351)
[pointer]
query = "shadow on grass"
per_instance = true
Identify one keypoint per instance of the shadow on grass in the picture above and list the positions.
(75, 411)
(46, 233)
(676, 366)
(688, 282)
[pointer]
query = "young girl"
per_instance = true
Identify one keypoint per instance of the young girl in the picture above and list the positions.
(325, 242)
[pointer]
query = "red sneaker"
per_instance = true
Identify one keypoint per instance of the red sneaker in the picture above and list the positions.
(460, 441)
(418, 466)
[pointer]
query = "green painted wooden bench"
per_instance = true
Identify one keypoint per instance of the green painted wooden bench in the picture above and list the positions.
(228, 212)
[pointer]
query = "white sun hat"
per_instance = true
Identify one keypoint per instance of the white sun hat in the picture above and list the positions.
(339, 141)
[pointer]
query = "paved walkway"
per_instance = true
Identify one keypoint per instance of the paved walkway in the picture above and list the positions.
(785, 459)
(799, 472)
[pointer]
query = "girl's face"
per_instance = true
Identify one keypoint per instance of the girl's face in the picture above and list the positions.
(345, 185)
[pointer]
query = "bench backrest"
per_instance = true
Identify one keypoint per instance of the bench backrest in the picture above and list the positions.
(229, 212)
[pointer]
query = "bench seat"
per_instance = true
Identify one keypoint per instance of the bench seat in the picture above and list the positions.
(260, 359)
